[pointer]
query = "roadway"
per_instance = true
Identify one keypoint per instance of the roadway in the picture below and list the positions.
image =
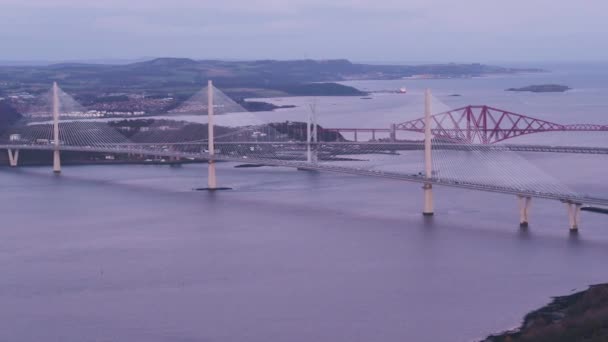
(169, 150)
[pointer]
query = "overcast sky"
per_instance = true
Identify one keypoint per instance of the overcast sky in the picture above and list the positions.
(361, 30)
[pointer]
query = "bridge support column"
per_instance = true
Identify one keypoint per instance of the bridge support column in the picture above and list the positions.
(56, 161)
(429, 209)
(13, 157)
(56, 153)
(211, 178)
(393, 133)
(524, 211)
(574, 211)
(428, 158)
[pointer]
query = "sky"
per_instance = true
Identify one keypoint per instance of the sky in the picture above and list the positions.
(360, 30)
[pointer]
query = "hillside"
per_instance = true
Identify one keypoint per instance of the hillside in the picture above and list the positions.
(581, 317)
(157, 85)
(171, 74)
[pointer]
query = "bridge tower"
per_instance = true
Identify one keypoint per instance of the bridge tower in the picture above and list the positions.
(428, 158)
(312, 137)
(56, 153)
(309, 137)
(211, 178)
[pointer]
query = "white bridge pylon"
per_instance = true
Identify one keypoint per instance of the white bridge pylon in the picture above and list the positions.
(211, 179)
(56, 122)
(428, 158)
(13, 154)
(56, 152)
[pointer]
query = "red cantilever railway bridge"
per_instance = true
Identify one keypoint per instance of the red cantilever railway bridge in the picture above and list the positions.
(478, 125)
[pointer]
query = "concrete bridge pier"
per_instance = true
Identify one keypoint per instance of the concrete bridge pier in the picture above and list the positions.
(574, 212)
(13, 157)
(524, 210)
(428, 160)
(211, 177)
(56, 161)
(429, 209)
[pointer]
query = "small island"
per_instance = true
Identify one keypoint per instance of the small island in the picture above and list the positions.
(543, 88)
(259, 106)
(578, 317)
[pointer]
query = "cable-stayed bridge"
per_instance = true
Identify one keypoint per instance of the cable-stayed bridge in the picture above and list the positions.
(463, 148)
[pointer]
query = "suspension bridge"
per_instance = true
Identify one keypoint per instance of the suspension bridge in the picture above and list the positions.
(463, 148)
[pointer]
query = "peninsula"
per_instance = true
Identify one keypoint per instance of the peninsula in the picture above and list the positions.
(543, 88)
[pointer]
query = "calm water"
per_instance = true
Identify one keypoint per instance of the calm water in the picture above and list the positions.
(585, 103)
(131, 253)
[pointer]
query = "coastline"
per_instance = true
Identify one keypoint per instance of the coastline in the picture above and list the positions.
(578, 316)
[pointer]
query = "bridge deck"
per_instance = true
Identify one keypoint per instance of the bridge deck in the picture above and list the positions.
(153, 150)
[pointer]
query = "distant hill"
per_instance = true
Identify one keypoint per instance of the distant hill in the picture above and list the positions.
(176, 74)
(320, 89)
(153, 86)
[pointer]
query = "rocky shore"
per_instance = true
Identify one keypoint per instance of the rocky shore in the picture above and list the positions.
(582, 316)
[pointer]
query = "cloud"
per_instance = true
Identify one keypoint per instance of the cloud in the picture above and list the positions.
(465, 15)
(340, 28)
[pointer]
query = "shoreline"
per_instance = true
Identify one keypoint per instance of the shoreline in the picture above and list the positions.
(577, 316)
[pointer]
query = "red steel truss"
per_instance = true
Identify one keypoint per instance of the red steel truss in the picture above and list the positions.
(488, 125)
